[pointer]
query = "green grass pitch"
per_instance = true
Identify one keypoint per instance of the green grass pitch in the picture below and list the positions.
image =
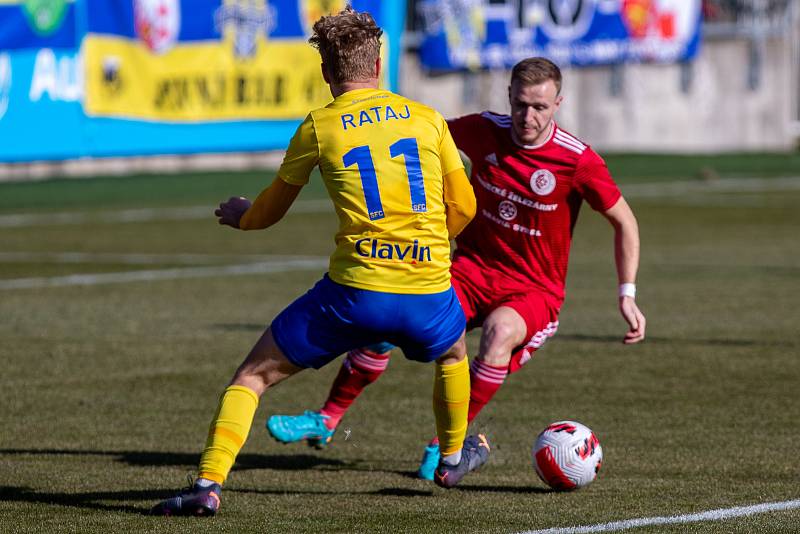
(107, 389)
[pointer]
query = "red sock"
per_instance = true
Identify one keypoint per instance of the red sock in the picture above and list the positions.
(359, 369)
(485, 380)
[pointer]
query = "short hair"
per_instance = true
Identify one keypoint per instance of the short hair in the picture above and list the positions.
(349, 44)
(536, 70)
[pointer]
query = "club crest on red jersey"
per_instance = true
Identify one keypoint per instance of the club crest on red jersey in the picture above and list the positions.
(543, 182)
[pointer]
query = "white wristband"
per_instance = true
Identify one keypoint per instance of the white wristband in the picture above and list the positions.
(627, 290)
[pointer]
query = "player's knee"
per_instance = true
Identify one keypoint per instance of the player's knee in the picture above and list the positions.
(501, 332)
(454, 354)
(501, 336)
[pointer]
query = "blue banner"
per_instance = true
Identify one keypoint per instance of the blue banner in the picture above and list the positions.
(474, 34)
(38, 24)
(71, 72)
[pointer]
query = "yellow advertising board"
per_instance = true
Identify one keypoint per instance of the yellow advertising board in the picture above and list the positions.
(241, 66)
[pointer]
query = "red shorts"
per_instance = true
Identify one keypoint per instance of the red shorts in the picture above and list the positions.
(482, 291)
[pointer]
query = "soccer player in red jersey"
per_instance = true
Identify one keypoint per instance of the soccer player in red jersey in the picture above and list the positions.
(509, 270)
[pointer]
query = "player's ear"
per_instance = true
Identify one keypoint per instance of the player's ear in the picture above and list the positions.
(325, 73)
(559, 99)
(378, 67)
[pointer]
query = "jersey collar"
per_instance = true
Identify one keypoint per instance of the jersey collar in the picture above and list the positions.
(357, 94)
(540, 145)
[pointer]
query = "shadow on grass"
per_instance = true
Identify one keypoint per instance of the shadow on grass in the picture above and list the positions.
(283, 462)
(403, 492)
(504, 489)
(89, 500)
(244, 462)
(389, 492)
(85, 500)
(691, 341)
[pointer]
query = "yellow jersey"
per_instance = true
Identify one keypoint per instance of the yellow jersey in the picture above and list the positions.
(382, 158)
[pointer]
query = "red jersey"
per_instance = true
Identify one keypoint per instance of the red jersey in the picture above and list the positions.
(528, 201)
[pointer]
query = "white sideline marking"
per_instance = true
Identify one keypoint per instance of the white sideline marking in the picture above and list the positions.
(138, 258)
(164, 274)
(139, 215)
(711, 515)
(732, 185)
(728, 185)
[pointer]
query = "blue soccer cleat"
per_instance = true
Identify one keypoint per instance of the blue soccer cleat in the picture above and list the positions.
(473, 455)
(194, 501)
(430, 460)
(310, 427)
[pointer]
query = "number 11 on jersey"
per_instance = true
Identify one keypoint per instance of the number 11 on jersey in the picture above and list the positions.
(362, 158)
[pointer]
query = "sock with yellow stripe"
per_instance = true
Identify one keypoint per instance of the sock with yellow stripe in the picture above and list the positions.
(451, 405)
(228, 432)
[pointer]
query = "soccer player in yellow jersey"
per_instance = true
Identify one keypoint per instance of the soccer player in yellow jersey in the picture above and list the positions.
(399, 188)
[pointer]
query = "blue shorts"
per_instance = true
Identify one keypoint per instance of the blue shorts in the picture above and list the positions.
(332, 319)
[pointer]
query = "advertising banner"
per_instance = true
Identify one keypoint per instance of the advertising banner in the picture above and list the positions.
(474, 34)
(40, 109)
(38, 24)
(129, 77)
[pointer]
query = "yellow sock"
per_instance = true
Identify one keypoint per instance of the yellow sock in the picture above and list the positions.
(228, 432)
(451, 405)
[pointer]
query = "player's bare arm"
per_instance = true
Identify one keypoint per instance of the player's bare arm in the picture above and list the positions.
(269, 207)
(626, 255)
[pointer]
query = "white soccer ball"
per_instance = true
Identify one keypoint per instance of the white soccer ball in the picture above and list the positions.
(567, 455)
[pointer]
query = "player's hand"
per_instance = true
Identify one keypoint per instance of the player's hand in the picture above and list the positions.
(635, 319)
(231, 211)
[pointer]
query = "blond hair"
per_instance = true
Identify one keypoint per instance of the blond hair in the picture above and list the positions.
(536, 70)
(349, 44)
